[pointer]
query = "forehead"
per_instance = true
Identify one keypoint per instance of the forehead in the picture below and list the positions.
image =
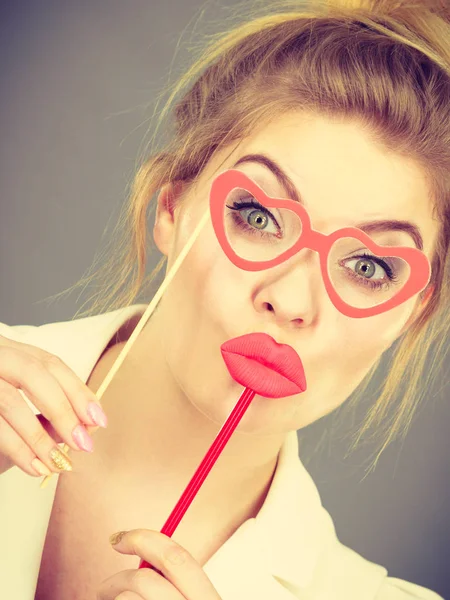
(342, 176)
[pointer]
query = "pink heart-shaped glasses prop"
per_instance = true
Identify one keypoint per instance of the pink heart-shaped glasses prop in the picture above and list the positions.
(419, 266)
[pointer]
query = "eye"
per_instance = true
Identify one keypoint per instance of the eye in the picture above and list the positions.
(368, 267)
(256, 217)
(370, 270)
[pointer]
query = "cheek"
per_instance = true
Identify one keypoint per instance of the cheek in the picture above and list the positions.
(207, 279)
(202, 291)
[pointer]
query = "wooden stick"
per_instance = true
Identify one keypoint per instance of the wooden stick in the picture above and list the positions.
(150, 308)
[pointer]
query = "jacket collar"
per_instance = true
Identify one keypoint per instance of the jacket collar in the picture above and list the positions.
(290, 518)
(278, 550)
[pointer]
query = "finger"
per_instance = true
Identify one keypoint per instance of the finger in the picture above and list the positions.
(83, 399)
(45, 392)
(14, 451)
(175, 562)
(49, 428)
(144, 583)
(25, 424)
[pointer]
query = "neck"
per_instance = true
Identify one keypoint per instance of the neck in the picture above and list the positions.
(157, 437)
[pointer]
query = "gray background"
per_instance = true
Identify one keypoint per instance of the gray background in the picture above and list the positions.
(77, 83)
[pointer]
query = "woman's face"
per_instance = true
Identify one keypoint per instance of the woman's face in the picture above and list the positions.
(343, 179)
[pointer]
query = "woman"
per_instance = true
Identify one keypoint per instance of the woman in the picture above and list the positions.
(344, 111)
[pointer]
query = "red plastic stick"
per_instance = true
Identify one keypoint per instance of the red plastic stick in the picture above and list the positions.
(205, 467)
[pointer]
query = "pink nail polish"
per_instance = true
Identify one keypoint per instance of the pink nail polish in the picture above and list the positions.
(82, 438)
(97, 415)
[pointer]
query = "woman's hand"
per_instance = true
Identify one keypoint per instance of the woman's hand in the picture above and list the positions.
(183, 578)
(65, 402)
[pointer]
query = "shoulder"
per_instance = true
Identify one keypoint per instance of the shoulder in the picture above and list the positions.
(95, 326)
(341, 572)
(72, 337)
(399, 589)
(78, 342)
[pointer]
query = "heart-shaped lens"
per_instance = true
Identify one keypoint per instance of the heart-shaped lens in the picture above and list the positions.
(363, 278)
(257, 232)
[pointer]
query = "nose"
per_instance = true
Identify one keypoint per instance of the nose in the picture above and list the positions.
(290, 291)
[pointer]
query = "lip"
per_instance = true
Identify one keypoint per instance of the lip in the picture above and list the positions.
(257, 361)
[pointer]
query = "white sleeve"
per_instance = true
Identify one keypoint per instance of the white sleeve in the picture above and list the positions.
(399, 589)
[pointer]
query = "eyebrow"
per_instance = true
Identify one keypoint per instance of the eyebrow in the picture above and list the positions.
(366, 226)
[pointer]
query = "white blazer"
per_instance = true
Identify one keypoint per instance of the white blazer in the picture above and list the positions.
(290, 550)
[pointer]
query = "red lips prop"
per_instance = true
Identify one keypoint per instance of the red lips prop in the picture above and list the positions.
(258, 362)
(264, 367)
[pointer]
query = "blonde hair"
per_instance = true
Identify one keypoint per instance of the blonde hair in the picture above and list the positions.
(385, 63)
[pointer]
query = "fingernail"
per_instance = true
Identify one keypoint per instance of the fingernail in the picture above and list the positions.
(82, 439)
(60, 460)
(116, 537)
(39, 467)
(97, 415)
